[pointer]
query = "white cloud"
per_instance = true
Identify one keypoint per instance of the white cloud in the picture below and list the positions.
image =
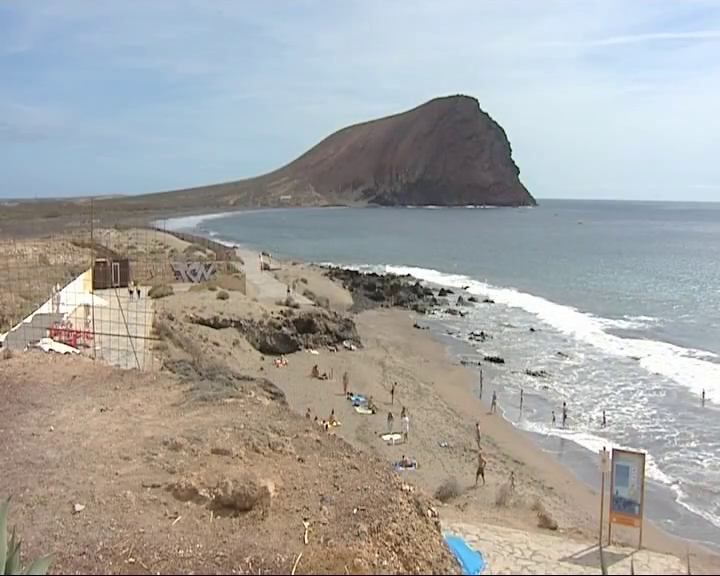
(610, 98)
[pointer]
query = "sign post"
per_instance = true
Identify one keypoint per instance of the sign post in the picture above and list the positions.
(604, 467)
(627, 490)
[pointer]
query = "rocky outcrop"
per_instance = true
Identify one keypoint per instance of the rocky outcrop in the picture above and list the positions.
(371, 290)
(446, 152)
(289, 332)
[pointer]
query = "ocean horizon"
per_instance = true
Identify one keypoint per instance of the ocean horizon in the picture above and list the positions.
(622, 297)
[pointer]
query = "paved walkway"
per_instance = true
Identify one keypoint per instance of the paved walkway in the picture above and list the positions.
(509, 551)
(123, 329)
(269, 288)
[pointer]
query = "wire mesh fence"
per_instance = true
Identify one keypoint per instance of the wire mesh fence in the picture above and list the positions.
(92, 289)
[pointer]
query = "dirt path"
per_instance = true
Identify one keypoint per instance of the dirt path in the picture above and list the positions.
(269, 288)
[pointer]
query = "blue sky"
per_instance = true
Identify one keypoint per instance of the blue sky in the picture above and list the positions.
(601, 99)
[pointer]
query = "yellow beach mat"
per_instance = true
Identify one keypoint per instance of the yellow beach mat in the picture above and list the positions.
(363, 410)
(392, 437)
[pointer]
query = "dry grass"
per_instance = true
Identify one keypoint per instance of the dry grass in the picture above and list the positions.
(161, 291)
(504, 496)
(448, 490)
(545, 519)
(321, 301)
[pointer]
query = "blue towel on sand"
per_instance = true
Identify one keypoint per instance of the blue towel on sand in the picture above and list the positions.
(357, 400)
(471, 561)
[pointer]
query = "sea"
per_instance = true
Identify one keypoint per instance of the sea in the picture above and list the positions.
(623, 299)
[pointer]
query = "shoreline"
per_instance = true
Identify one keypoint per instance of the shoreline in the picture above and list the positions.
(665, 541)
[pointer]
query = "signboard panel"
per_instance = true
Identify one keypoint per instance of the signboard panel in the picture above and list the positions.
(627, 487)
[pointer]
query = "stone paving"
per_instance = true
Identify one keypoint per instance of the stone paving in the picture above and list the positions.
(509, 551)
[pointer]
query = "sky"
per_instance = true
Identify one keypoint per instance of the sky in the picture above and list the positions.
(616, 99)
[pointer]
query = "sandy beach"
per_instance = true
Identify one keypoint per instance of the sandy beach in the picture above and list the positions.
(443, 409)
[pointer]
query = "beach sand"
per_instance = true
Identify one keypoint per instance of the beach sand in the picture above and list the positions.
(439, 397)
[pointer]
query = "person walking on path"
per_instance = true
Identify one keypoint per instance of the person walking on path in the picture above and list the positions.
(390, 422)
(493, 402)
(405, 419)
(480, 472)
(392, 393)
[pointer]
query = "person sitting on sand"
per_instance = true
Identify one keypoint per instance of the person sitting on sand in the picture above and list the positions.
(405, 462)
(346, 382)
(390, 422)
(371, 405)
(315, 372)
(307, 414)
(324, 376)
(315, 420)
(480, 472)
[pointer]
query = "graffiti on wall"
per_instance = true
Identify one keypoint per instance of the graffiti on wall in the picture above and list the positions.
(194, 271)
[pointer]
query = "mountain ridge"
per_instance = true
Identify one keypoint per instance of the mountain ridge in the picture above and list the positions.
(445, 152)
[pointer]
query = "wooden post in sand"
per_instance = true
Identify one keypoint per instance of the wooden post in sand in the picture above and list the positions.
(603, 469)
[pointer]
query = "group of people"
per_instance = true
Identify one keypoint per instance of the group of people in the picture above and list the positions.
(134, 289)
(404, 418)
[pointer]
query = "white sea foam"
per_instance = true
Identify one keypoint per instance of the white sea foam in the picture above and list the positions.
(595, 444)
(189, 222)
(685, 366)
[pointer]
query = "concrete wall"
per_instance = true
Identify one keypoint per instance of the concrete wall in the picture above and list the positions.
(64, 302)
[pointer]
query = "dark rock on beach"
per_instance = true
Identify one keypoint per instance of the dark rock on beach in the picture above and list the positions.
(495, 359)
(445, 292)
(284, 334)
(537, 373)
(371, 290)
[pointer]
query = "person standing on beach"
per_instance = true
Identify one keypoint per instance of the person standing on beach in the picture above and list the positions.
(346, 381)
(481, 383)
(564, 414)
(392, 393)
(703, 398)
(390, 422)
(478, 435)
(405, 419)
(480, 472)
(553, 418)
(604, 421)
(522, 393)
(493, 402)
